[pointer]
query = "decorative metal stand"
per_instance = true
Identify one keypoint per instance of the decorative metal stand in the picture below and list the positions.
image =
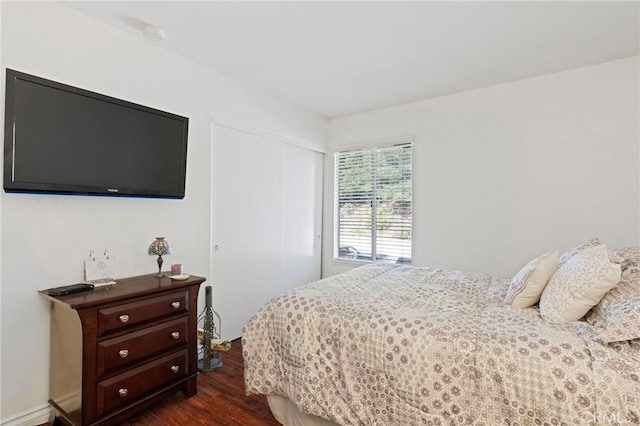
(208, 331)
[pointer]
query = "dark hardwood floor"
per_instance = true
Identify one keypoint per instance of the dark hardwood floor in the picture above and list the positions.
(220, 400)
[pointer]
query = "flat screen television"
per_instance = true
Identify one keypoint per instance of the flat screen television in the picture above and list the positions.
(65, 140)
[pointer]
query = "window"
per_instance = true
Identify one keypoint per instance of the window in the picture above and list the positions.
(372, 204)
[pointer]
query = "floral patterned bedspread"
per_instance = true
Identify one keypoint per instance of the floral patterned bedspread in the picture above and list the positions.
(400, 345)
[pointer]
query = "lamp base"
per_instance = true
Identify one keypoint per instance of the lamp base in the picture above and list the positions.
(160, 274)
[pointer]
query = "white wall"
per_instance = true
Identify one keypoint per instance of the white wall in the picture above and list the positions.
(505, 173)
(44, 238)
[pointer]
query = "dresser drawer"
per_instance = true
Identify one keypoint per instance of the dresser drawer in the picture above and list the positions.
(136, 313)
(127, 387)
(132, 347)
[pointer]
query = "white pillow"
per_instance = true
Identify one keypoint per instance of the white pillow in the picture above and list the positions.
(575, 250)
(527, 285)
(578, 285)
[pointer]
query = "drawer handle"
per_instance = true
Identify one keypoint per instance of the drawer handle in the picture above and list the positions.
(175, 368)
(123, 353)
(123, 392)
(175, 335)
(124, 318)
(175, 305)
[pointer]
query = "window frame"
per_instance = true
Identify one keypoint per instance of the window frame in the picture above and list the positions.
(334, 210)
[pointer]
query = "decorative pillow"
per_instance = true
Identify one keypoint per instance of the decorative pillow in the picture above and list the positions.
(527, 285)
(617, 316)
(626, 257)
(573, 251)
(622, 321)
(578, 285)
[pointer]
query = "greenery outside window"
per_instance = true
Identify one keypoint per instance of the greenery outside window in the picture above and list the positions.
(372, 203)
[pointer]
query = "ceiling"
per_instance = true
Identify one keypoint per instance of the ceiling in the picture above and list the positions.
(339, 58)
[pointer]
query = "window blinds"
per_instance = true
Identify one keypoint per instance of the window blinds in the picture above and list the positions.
(373, 203)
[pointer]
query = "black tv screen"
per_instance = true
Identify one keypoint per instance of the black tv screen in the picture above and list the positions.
(65, 140)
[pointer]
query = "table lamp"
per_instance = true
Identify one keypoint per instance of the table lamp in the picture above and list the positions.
(159, 247)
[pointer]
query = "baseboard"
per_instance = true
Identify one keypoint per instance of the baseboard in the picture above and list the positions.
(34, 417)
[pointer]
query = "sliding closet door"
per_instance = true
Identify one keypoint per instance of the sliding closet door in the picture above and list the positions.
(266, 206)
(302, 216)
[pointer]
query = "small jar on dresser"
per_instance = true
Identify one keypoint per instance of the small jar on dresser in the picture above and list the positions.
(118, 349)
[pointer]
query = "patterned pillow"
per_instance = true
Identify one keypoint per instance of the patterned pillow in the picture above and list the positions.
(626, 257)
(578, 285)
(527, 285)
(617, 316)
(573, 251)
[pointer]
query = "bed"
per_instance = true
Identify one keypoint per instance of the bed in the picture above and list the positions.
(400, 345)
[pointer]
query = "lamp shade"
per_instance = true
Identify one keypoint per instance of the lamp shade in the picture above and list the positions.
(159, 247)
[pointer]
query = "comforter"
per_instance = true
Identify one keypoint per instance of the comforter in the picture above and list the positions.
(401, 345)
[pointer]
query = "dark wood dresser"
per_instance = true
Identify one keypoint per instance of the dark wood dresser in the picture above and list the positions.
(120, 348)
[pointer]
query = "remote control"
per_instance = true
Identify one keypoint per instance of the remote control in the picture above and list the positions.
(69, 289)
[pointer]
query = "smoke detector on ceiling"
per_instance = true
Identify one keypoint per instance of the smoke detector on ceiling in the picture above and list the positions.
(152, 32)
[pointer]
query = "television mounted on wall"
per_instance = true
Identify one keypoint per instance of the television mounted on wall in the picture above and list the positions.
(61, 139)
